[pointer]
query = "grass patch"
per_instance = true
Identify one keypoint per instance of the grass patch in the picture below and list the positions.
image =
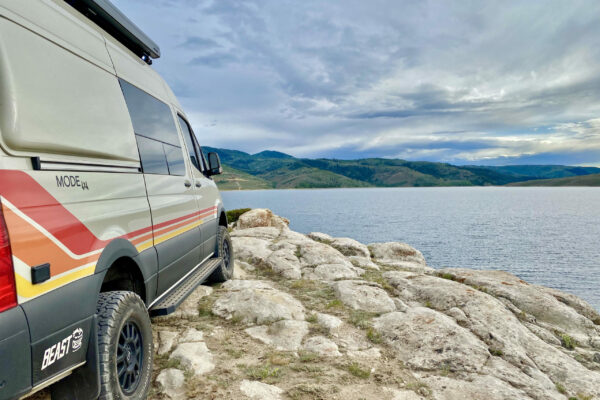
(263, 372)
(446, 275)
(374, 336)
(302, 392)
(361, 319)
(560, 388)
(373, 275)
(419, 388)
(234, 215)
(567, 341)
(307, 356)
(314, 295)
(312, 318)
(496, 352)
(356, 370)
(337, 303)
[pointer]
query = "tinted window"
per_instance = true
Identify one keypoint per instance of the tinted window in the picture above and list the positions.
(188, 135)
(174, 159)
(152, 156)
(150, 117)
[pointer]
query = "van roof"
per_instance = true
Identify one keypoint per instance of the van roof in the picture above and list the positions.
(107, 16)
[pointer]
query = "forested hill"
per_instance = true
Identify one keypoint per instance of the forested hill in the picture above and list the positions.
(272, 169)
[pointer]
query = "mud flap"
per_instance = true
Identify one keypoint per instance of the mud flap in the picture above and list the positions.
(84, 382)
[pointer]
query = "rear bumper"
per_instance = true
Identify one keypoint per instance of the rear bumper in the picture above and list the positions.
(15, 354)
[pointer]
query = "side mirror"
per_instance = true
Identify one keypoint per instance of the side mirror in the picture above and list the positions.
(214, 164)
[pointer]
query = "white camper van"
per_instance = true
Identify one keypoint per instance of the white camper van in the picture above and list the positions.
(108, 212)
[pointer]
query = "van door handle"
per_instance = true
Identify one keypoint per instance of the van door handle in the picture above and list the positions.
(198, 184)
(187, 184)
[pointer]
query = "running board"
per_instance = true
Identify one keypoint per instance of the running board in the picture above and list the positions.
(177, 294)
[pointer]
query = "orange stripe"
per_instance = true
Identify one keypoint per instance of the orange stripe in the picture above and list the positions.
(34, 248)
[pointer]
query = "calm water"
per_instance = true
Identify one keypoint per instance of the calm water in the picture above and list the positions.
(548, 236)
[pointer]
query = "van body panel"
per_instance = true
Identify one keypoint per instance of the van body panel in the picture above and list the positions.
(48, 92)
(61, 24)
(16, 353)
(69, 226)
(135, 71)
(176, 219)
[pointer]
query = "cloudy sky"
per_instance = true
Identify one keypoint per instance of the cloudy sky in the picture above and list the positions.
(466, 82)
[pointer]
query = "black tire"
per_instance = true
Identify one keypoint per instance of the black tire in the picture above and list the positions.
(224, 250)
(125, 332)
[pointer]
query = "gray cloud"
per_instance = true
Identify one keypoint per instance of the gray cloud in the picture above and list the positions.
(464, 82)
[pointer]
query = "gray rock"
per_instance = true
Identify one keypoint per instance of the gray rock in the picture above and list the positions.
(350, 247)
(260, 391)
(315, 253)
(429, 340)
(330, 322)
(172, 383)
(264, 233)
(285, 263)
(166, 341)
(365, 296)
(320, 237)
(191, 336)
(542, 303)
(332, 272)
(251, 249)
(597, 358)
(396, 251)
(477, 387)
(256, 302)
(189, 308)
(363, 262)
(284, 335)
(369, 354)
(321, 346)
(261, 217)
(194, 356)
(410, 266)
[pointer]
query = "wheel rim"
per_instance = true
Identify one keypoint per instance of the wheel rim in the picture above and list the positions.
(226, 255)
(130, 353)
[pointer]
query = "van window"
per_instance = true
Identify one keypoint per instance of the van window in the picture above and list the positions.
(150, 117)
(189, 142)
(174, 159)
(155, 132)
(152, 156)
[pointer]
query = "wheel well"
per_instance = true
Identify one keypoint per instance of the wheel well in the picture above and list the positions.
(124, 274)
(223, 219)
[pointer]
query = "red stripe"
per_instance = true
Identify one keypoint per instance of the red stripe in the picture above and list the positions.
(38, 204)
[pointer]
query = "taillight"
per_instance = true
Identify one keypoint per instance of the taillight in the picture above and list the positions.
(8, 290)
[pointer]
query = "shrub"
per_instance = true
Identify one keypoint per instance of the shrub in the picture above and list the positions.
(567, 341)
(234, 215)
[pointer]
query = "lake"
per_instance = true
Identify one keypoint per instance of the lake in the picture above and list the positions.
(547, 236)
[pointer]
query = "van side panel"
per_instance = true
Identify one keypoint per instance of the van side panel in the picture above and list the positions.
(48, 92)
(69, 219)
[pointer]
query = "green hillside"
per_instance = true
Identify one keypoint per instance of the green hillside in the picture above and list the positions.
(543, 171)
(233, 179)
(273, 169)
(584, 180)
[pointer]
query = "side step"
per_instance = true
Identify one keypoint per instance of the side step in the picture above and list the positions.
(179, 293)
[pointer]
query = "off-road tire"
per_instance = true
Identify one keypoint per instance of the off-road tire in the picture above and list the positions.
(116, 311)
(225, 250)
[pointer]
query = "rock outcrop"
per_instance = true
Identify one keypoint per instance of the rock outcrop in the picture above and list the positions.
(319, 317)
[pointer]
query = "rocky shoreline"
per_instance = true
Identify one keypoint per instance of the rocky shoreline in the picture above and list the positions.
(317, 317)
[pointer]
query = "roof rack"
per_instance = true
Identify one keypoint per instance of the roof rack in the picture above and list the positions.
(104, 14)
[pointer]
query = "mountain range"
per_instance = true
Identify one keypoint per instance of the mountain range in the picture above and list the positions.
(272, 169)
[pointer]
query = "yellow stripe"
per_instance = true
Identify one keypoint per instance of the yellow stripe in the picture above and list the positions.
(179, 231)
(144, 245)
(27, 289)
